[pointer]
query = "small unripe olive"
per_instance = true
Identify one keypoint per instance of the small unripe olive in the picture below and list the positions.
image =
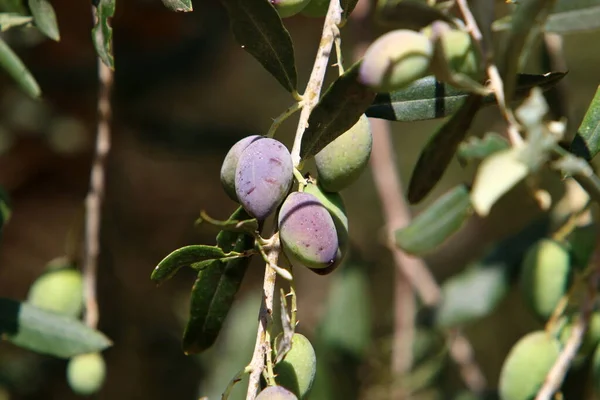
(296, 372)
(288, 8)
(526, 366)
(276, 393)
(545, 277)
(316, 8)
(230, 164)
(395, 60)
(86, 373)
(59, 290)
(342, 161)
(460, 54)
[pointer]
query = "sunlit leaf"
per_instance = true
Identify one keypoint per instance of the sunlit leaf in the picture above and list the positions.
(440, 149)
(12, 20)
(437, 223)
(338, 110)
(102, 32)
(184, 257)
(179, 5)
(46, 332)
(586, 143)
(257, 27)
(13, 65)
(476, 149)
(496, 175)
(44, 18)
(427, 98)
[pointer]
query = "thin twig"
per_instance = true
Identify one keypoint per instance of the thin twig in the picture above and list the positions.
(93, 201)
(463, 355)
(557, 374)
(315, 83)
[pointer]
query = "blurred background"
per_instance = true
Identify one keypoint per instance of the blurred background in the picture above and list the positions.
(184, 93)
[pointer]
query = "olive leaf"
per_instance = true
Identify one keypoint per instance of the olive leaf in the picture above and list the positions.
(437, 223)
(248, 226)
(5, 209)
(496, 175)
(185, 257)
(13, 65)
(338, 110)
(586, 143)
(407, 14)
(213, 294)
(102, 32)
(476, 291)
(12, 20)
(427, 98)
(47, 332)
(440, 149)
(179, 5)
(44, 18)
(477, 149)
(257, 27)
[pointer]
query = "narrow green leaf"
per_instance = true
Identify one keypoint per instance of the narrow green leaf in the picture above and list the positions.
(437, 223)
(12, 20)
(475, 292)
(406, 14)
(102, 32)
(44, 18)
(5, 209)
(347, 7)
(477, 149)
(440, 149)
(179, 5)
(338, 110)
(259, 30)
(428, 98)
(13, 65)
(248, 226)
(46, 332)
(496, 175)
(586, 143)
(184, 257)
(212, 297)
(527, 19)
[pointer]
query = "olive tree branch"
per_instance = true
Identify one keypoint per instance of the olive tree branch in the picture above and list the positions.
(93, 201)
(315, 83)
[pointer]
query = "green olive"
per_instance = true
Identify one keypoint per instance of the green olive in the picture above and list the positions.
(289, 8)
(316, 8)
(86, 373)
(296, 372)
(59, 290)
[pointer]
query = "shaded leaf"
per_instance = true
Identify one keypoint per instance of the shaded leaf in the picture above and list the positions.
(428, 98)
(476, 149)
(574, 16)
(44, 18)
(46, 332)
(475, 292)
(13, 6)
(496, 175)
(347, 7)
(259, 30)
(437, 223)
(337, 111)
(102, 32)
(440, 149)
(582, 243)
(213, 294)
(406, 14)
(586, 143)
(179, 5)
(13, 65)
(184, 257)
(5, 209)
(11, 20)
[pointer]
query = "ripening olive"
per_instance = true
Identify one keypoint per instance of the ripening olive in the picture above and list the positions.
(459, 54)
(86, 373)
(342, 161)
(545, 277)
(230, 164)
(316, 8)
(296, 372)
(395, 60)
(307, 231)
(288, 8)
(59, 290)
(276, 393)
(526, 366)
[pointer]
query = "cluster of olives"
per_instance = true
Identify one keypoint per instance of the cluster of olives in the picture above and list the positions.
(258, 173)
(308, 8)
(546, 277)
(399, 57)
(295, 374)
(60, 290)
